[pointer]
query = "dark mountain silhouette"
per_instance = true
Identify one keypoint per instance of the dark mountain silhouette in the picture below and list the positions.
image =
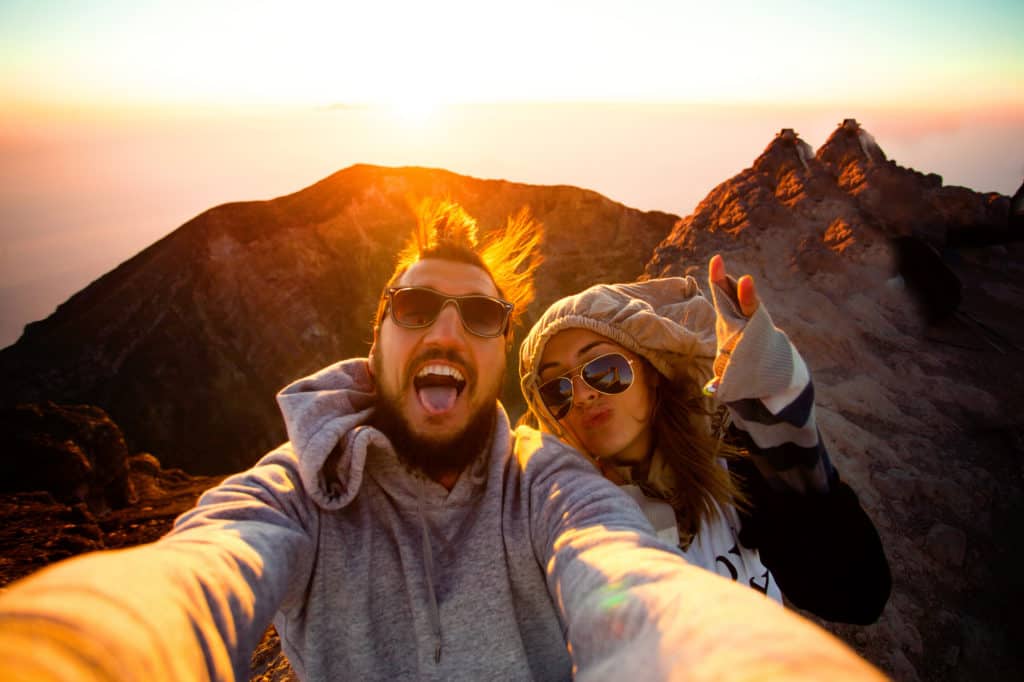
(903, 294)
(186, 344)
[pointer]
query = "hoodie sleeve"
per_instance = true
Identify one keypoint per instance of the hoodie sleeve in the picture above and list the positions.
(807, 524)
(764, 382)
(633, 608)
(191, 606)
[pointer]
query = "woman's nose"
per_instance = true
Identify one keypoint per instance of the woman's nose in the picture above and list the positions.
(581, 390)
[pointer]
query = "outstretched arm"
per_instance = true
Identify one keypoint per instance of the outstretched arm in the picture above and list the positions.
(634, 609)
(763, 380)
(191, 606)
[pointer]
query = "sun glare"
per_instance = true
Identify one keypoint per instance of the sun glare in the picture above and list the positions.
(414, 110)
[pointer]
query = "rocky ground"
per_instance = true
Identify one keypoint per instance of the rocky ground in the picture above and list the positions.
(37, 530)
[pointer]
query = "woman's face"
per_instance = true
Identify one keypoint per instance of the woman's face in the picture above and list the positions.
(616, 428)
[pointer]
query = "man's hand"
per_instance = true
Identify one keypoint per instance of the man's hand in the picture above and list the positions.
(743, 291)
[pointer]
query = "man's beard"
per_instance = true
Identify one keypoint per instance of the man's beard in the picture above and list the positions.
(432, 455)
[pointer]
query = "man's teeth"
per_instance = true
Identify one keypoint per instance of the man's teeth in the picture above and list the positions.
(442, 370)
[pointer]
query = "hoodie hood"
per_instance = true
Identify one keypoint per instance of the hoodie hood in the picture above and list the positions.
(327, 416)
(322, 411)
(666, 321)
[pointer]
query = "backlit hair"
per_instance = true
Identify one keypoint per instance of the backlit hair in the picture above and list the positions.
(445, 231)
(692, 450)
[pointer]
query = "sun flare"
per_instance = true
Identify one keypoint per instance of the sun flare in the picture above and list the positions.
(413, 110)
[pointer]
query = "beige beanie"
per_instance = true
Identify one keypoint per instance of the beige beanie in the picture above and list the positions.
(666, 321)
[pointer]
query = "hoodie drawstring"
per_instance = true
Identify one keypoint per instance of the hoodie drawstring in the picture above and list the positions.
(428, 562)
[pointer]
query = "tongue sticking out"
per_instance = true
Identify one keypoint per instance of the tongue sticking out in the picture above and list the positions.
(437, 399)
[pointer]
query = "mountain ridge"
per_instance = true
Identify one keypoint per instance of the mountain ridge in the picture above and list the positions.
(264, 292)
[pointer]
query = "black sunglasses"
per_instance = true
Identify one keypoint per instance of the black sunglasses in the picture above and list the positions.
(418, 307)
(610, 374)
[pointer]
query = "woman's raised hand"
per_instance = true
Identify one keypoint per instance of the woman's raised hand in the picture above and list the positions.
(743, 292)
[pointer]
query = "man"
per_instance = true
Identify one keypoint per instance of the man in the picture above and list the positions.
(405, 531)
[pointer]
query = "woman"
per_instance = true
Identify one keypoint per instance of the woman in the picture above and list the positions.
(629, 374)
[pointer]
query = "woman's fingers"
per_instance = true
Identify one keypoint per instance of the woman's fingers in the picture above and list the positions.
(745, 292)
(747, 295)
(716, 268)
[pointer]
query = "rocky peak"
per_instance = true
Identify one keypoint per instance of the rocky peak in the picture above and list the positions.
(849, 144)
(785, 153)
(849, 192)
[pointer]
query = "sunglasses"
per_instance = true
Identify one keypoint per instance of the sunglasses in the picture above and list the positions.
(418, 307)
(610, 374)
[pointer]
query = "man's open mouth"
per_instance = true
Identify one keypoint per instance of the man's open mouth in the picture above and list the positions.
(438, 386)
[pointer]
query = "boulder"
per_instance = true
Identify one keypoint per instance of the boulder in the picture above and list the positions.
(74, 452)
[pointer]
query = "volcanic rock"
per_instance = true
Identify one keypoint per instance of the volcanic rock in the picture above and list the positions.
(36, 529)
(946, 544)
(906, 202)
(74, 452)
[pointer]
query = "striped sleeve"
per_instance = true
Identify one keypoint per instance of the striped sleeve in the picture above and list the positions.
(765, 384)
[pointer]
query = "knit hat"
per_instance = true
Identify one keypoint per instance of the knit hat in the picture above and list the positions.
(666, 321)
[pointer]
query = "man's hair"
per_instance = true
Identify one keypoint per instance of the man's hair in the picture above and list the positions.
(446, 232)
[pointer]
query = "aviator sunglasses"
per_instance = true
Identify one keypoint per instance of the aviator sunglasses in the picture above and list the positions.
(610, 374)
(418, 307)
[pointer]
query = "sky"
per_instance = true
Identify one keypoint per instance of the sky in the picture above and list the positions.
(119, 121)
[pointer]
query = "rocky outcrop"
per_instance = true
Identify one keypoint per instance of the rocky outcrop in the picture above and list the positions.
(186, 344)
(74, 452)
(37, 529)
(906, 202)
(921, 412)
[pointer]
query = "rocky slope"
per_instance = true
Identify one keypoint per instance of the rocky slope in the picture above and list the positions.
(918, 376)
(186, 344)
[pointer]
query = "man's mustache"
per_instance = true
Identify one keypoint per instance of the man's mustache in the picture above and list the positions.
(448, 354)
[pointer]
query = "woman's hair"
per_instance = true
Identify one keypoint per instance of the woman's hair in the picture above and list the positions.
(688, 436)
(691, 448)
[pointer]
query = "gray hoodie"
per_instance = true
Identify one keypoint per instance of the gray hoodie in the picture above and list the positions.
(406, 579)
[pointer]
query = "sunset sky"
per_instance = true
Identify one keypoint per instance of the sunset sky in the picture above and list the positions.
(121, 120)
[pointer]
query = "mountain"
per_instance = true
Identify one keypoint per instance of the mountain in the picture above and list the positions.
(902, 293)
(904, 296)
(186, 344)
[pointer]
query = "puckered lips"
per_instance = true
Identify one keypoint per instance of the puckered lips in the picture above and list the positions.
(438, 386)
(596, 417)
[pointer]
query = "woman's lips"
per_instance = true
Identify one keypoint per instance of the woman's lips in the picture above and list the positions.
(596, 418)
